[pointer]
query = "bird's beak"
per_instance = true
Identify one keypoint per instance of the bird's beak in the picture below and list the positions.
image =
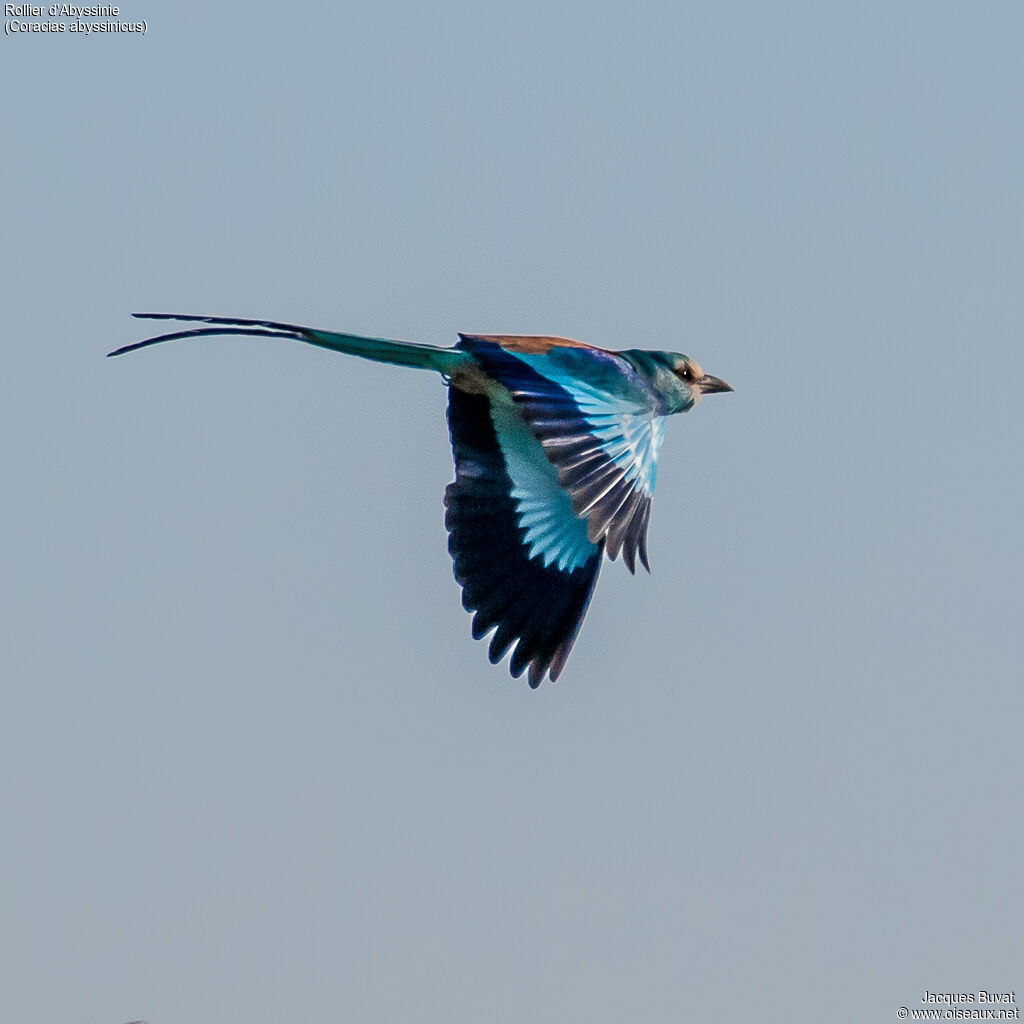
(710, 385)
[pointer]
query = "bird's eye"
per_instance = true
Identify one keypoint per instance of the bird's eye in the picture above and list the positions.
(686, 373)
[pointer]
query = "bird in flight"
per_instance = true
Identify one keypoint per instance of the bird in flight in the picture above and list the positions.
(556, 451)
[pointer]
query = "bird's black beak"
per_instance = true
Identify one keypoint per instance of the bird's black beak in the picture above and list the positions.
(711, 385)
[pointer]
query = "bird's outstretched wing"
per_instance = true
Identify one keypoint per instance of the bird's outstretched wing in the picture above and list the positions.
(599, 425)
(521, 556)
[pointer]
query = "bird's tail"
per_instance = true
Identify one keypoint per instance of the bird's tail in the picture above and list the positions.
(402, 353)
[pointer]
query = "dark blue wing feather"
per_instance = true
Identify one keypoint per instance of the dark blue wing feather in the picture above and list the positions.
(532, 600)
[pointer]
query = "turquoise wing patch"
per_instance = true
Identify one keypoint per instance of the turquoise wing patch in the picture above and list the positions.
(543, 509)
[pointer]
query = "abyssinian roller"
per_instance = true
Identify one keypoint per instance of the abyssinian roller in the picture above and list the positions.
(556, 453)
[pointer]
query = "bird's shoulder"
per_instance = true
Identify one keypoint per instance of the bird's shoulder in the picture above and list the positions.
(529, 344)
(586, 373)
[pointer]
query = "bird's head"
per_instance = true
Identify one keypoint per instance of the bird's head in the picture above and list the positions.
(682, 380)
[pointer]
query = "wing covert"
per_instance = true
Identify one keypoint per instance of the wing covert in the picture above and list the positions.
(599, 424)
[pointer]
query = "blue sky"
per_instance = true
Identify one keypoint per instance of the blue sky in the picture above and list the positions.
(254, 768)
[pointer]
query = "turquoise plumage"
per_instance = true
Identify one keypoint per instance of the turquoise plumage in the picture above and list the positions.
(556, 450)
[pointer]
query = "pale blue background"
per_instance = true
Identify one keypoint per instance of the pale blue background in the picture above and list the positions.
(253, 767)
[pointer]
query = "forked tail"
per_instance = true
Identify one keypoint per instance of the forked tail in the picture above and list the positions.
(402, 353)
